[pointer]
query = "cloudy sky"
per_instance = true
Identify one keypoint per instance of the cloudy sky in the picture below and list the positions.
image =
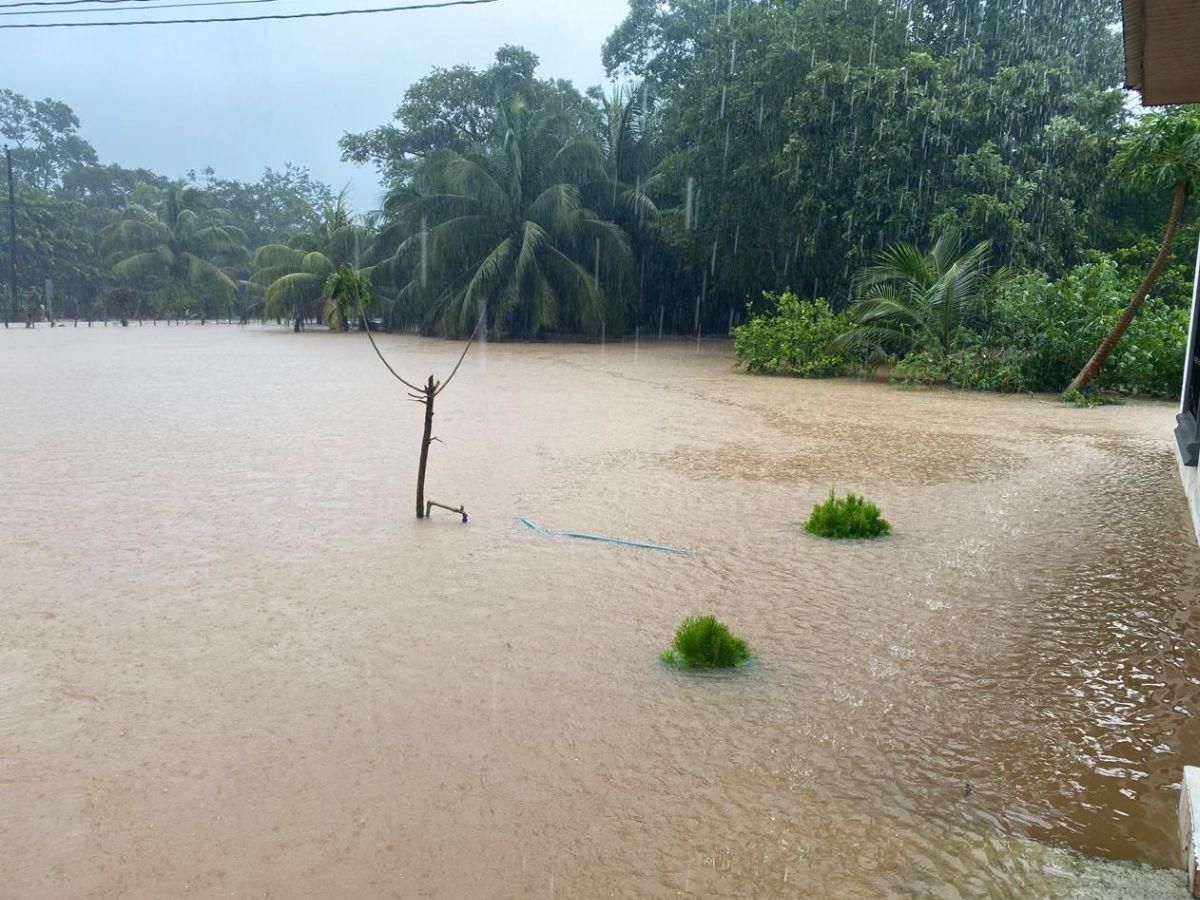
(241, 96)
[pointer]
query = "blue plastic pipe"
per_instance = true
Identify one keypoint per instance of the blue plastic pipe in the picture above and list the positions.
(607, 540)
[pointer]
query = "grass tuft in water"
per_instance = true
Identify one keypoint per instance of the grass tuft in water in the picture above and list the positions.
(852, 517)
(1089, 399)
(704, 643)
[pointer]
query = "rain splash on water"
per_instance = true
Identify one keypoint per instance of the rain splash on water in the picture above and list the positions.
(245, 667)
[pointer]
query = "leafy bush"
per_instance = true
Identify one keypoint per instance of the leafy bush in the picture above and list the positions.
(853, 517)
(1057, 325)
(921, 368)
(975, 369)
(796, 337)
(1036, 334)
(704, 643)
(1174, 285)
(1088, 399)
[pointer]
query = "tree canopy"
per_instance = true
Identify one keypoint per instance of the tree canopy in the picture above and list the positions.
(746, 148)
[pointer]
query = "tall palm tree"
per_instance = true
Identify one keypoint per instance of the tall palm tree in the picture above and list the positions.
(913, 300)
(630, 140)
(293, 275)
(503, 231)
(1162, 151)
(631, 147)
(179, 249)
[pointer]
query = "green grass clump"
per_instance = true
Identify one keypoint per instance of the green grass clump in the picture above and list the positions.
(1089, 399)
(853, 517)
(704, 643)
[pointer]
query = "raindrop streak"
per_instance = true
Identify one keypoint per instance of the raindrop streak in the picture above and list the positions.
(424, 251)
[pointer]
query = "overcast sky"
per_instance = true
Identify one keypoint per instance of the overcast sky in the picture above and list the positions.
(242, 96)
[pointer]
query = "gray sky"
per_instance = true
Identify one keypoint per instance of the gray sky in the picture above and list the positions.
(241, 96)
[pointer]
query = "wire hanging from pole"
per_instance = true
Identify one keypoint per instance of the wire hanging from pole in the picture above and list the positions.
(443, 4)
(76, 3)
(63, 12)
(441, 386)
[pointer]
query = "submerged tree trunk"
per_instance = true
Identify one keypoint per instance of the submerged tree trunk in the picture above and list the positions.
(430, 391)
(296, 324)
(1118, 330)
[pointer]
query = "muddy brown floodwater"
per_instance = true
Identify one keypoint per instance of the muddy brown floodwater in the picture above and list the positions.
(233, 664)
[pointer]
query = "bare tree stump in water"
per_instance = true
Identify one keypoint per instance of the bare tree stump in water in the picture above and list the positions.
(426, 395)
(430, 392)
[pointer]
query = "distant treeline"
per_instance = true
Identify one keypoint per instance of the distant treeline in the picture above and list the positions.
(750, 147)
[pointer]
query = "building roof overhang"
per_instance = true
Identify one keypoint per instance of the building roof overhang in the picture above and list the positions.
(1162, 50)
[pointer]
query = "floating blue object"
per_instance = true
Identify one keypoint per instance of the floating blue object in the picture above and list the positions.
(607, 540)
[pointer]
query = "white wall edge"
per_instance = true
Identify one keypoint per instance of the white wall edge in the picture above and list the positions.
(1189, 825)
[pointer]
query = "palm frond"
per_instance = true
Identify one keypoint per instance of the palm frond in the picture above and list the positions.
(293, 294)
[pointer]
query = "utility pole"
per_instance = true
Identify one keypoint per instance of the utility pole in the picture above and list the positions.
(12, 233)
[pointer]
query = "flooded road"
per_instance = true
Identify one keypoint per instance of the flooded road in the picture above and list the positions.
(233, 664)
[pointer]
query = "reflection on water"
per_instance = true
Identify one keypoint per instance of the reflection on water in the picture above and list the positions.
(233, 665)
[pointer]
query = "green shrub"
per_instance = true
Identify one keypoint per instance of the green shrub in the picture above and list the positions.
(796, 337)
(974, 369)
(921, 369)
(1088, 399)
(1174, 284)
(1037, 335)
(992, 374)
(852, 517)
(704, 643)
(1057, 325)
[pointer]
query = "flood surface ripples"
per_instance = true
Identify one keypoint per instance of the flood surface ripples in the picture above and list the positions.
(233, 664)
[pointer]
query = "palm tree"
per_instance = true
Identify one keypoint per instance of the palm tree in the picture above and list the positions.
(913, 300)
(503, 231)
(1162, 151)
(179, 248)
(294, 275)
(632, 148)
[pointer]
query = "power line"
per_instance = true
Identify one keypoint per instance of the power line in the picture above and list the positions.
(312, 15)
(65, 3)
(63, 12)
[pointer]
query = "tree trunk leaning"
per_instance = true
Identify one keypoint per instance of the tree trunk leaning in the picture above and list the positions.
(1118, 330)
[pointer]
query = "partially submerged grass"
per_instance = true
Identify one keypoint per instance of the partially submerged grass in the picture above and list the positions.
(702, 642)
(1089, 399)
(852, 517)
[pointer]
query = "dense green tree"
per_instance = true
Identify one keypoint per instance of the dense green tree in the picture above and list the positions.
(808, 134)
(105, 191)
(659, 40)
(45, 138)
(280, 203)
(54, 245)
(456, 109)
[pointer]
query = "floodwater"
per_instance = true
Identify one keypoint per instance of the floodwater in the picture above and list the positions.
(233, 664)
